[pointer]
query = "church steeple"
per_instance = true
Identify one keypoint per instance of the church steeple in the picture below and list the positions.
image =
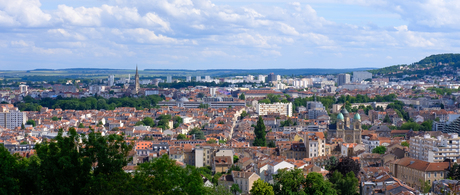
(137, 87)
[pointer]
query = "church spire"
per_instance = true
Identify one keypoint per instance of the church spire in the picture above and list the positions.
(137, 86)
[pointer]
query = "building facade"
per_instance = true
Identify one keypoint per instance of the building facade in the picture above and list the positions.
(11, 117)
(350, 133)
(433, 149)
(281, 108)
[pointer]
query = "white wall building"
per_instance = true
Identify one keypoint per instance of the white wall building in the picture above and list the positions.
(359, 76)
(281, 108)
(11, 117)
(437, 149)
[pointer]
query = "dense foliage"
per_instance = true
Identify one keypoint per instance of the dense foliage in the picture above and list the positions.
(93, 164)
(379, 150)
(259, 132)
(88, 103)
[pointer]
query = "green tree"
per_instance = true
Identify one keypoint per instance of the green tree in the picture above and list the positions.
(271, 144)
(405, 143)
(31, 122)
(163, 176)
(242, 97)
(288, 181)
(9, 183)
(23, 126)
(139, 123)
(181, 136)
(379, 150)
(260, 187)
(198, 133)
(148, 122)
(347, 185)
(54, 118)
(244, 114)
(425, 186)
(81, 125)
(315, 184)
(235, 188)
(259, 131)
(235, 159)
(386, 119)
(344, 166)
(211, 141)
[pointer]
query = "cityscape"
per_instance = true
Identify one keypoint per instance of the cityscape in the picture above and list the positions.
(146, 104)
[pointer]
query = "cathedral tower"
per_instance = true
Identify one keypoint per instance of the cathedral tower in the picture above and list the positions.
(137, 81)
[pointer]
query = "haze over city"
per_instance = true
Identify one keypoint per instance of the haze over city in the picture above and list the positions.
(223, 34)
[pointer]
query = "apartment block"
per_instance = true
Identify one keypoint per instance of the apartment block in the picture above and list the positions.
(11, 117)
(281, 108)
(435, 149)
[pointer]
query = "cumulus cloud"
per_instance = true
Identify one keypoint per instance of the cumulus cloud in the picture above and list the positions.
(174, 30)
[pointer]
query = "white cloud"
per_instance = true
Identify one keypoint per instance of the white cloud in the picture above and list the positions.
(23, 12)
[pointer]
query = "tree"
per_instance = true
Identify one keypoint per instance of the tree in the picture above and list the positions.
(203, 106)
(181, 136)
(139, 123)
(379, 150)
(31, 122)
(9, 183)
(260, 187)
(211, 141)
(386, 119)
(242, 97)
(147, 121)
(81, 125)
(271, 144)
(23, 126)
(235, 159)
(198, 133)
(315, 184)
(163, 176)
(259, 131)
(54, 118)
(344, 166)
(244, 114)
(288, 181)
(220, 190)
(235, 188)
(347, 185)
(405, 143)
(425, 186)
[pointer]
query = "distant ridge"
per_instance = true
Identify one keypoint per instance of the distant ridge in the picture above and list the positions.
(431, 65)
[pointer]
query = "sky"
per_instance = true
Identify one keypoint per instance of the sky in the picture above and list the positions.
(224, 34)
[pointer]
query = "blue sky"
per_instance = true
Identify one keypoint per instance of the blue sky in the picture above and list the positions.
(222, 34)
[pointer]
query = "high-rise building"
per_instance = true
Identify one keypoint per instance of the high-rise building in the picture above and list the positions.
(435, 149)
(343, 79)
(359, 76)
(271, 77)
(207, 78)
(188, 79)
(111, 80)
(212, 91)
(198, 78)
(137, 81)
(169, 79)
(11, 117)
(261, 78)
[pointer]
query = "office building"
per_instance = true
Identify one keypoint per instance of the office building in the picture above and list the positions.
(198, 78)
(188, 79)
(271, 77)
(11, 117)
(343, 79)
(359, 76)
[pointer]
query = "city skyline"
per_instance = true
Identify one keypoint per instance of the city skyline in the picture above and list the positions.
(223, 34)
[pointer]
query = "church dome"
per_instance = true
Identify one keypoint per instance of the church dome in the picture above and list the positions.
(340, 116)
(357, 116)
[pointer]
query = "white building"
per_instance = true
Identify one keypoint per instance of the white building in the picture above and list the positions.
(169, 79)
(359, 76)
(24, 88)
(437, 149)
(188, 79)
(198, 78)
(281, 108)
(343, 79)
(111, 80)
(207, 78)
(11, 117)
(261, 78)
(212, 91)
